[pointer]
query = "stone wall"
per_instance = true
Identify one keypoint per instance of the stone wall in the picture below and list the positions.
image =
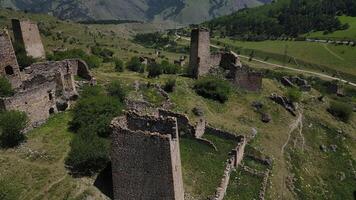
(145, 158)
(27, 34)
(245, 79)
(182, 120)
(231, 164)
(9, 67)
(46, 88)
(200, 127)
(35, 102)
(200, 52)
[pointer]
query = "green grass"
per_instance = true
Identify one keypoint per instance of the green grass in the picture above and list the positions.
(36, 168)
(348, 34)
(315, 56)
(243, 186)
(203, 167)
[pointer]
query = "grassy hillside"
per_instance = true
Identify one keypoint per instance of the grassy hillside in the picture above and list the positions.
(316, 56)
(348, 34)
(36, 170)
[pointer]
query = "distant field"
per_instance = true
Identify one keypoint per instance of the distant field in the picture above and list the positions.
(350, 33)
(323, 56)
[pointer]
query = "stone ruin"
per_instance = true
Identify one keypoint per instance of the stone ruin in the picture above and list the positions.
(42, 88)
(202, 62)
(26, 33)
(145, 156)
(295, 82)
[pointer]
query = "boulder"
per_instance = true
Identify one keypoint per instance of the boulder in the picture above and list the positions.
(266, 118)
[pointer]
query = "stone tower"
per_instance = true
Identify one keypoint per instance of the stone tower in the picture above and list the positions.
(27, 34)
(9, 67)
(145, 156)
(200, 52)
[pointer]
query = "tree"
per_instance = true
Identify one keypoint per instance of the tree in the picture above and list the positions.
(96, 112)
(135, 65)
(341, 110)
(154, 70)
(116, 89)
(213, 88)
(119, 65)
(5, 88)
(12, 123)
(294, 95)
(89, 153)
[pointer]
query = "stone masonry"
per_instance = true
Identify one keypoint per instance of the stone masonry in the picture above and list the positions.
(200, 52)
(42, 88)
(202, 63)
(145, 156)
(27, 34)
(8, 62)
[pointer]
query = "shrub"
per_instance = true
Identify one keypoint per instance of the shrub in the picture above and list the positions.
(170, 85)
(90, 91)
(116, 89)
(119, 65)
(12, 123)
(89, 153)
(154, 70)
(135, 65)
(5, 88)
(97, 112)
(104, 53)
(213, 88)
(92, 60)
(168, 68)
(294, 95)
(341, 110)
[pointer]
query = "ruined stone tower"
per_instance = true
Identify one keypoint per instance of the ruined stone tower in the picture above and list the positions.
(9, 67)
(200, 52)
(145, 156)
(27, 34)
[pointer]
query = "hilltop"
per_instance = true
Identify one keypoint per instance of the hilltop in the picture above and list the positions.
(313, 153)
(181, 11)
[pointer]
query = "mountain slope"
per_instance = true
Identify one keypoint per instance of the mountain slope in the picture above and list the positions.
(182, 11)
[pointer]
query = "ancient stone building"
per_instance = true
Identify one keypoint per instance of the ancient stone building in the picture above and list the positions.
(27, 34)
(8, 62)
(42, 88)
(200, 52)
(145, 156)
(202, 62)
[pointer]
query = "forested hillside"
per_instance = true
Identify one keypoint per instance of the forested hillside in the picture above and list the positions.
(181, 11)
(285, 17)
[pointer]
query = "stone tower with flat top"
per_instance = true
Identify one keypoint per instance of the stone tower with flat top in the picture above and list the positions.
(200, 52)
(145, 156)
(27, 34)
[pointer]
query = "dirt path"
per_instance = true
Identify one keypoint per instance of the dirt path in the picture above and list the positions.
(332, 53)
(298, 123)
(286, 67)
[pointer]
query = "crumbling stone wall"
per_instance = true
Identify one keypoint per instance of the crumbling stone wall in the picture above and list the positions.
(146, 160)
(251, 81)
(231, 164)
(200, 52)
(46, 88)
(36, 102)
(9, 67)
(183, 121)
(28, 35)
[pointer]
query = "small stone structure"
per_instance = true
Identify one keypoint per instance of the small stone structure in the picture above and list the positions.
(146, 160)
(296, 82)
(42, 88)
(27, 34)
(203, 62)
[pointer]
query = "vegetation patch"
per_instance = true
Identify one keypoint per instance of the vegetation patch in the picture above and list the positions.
(5, 88)
(12, 123)
(213, 88)
(340, 110)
